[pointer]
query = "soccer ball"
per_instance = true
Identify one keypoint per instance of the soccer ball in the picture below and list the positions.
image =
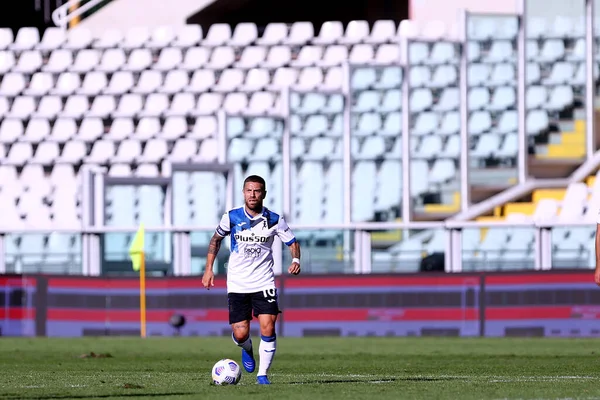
(226, 372)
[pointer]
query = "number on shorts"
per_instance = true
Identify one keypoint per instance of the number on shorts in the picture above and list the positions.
(269, 293)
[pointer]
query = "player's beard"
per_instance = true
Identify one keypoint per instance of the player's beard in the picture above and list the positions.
(256, 207)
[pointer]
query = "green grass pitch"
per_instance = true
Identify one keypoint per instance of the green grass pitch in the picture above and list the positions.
(307, 368)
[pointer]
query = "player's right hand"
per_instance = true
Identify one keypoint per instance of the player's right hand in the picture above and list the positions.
(597, 276)
(208, 279)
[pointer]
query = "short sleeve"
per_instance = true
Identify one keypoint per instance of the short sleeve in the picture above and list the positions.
(224, 226)
(285, 232)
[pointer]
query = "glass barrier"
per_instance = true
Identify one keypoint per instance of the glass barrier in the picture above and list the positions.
(498, 248)
(573, 247)
(255, 149)
(556, 76)
(47, 253)
(128, 206)
(408, 251)
(434, 98)
(376, 130)
(323, 252)
(492, 81)
(317, 126)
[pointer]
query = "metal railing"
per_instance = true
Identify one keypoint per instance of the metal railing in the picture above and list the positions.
(62, 15)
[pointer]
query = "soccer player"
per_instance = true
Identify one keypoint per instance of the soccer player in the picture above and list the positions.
(250, 277)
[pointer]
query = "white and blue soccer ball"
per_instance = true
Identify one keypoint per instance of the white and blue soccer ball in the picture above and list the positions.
(226, 372)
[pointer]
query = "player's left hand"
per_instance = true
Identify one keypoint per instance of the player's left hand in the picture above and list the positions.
(294, 269)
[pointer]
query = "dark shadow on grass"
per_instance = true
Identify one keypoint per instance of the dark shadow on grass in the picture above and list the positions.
(325, 381)
(100, 396)
(382, 380)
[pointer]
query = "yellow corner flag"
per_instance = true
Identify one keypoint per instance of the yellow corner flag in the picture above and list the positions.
(138, 261)
(136, 250)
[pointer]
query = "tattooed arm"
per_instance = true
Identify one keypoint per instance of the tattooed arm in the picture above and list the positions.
(295, 252)
(213, 250)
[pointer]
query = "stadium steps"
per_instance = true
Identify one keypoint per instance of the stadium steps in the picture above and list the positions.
(567, 144)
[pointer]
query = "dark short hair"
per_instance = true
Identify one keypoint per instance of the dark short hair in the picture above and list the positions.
(256, 179)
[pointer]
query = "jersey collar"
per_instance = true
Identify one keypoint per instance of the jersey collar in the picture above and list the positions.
(260, 214)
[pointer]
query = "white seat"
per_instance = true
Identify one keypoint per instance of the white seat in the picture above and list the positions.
(156, 104)
(73, 152)
(383, 31)
(110, 38)
(217, 35)
(174, 128)
(229, 80)
(7, 61)
(120, 129)
(201, 81)
(331, 32)
(112, 60)
(256, 80)
(101, 152)
(22, 108)
(148, 82)
(64, 129)
(49, 107)
(26, 39)
(244, 34)
(53, 39)
(187, 35)
(93, 83)
(182, 104)
(195, 58)
(183, 150)
(169, 59)
(154, 151)
(46, 153)
(503, 98)
(308, 56)
(102, 106)
(274, 34)
(135, 37)
(277, 56)
(75, 107)
(356, 32)
(221, 58)
(6, 38)
(129, 105)
(235, 103)
(161, 37)
(90, 130)
(147, 128)
(10, 130)
(175, 82)
(19, 154)
(127, 151)
(300, 34)
(333, 55)
(12, 84)
(251, 57)
(208, 103)
(361, 54)
(78, 38)
(66, 84)
(29, 62)
(138, 60)
(59, 61)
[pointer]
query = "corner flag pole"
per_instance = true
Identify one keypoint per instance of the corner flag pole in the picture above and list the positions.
(143, 295)
(138, 261)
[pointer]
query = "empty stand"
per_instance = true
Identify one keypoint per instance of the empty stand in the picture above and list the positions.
(131, 100)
